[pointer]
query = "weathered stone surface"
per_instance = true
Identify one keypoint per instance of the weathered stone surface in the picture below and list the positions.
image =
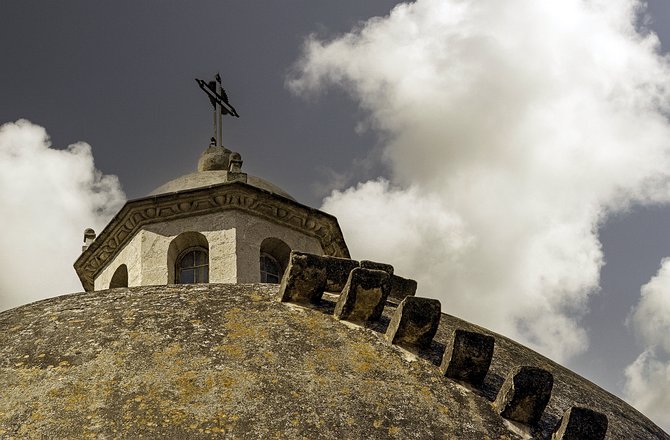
(216, 361)
(304, 279)
(525, 394)
(581, 424)
(363, 296)
(337, 272)
(367, 264)
(414, 322)
(401, 288)
(467, 356)
(214, 158)
(227, 361)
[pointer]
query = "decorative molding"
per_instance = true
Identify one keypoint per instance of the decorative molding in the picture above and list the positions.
(201, 201)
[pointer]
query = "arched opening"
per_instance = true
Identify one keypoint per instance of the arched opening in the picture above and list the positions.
(271, 271)
(188, 259)
(192, 266)
(120, 277)
(274, 257)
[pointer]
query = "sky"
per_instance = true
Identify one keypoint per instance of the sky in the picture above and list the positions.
(513, 157)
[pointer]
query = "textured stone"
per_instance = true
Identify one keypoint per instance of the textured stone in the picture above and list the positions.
(367, 264)
(214, 158)
(524, 394)
(174, 362)
(414, 322)
(304, 279)
(364, 295)
(401, 288)
(467, 356)
(337, 272)
(581, 424)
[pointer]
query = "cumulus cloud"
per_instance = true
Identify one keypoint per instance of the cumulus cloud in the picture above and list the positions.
(48, 197)
(512, 129)
(648, 378)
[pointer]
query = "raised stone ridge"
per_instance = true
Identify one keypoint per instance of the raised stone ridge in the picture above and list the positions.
(194, 361)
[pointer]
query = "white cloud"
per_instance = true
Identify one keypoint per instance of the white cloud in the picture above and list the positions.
(48, 197)
(513, 129)
(648, 378)
(651, 317)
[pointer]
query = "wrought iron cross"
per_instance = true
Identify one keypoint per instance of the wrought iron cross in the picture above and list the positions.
(219, 100)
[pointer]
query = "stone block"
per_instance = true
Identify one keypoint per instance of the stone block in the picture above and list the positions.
(367, 264)
(363, 296)
(401, 288)
(467, 356)
(414, 322)
(233, 176)
(581, 424)
(304, 279)
(524, 394)
(337, 272)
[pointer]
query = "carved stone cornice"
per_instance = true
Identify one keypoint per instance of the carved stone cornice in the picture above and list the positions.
(200, 201)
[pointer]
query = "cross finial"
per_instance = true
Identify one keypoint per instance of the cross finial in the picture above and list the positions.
(219, 100)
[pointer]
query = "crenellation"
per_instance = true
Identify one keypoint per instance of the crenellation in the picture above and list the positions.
(364, 295)
(304, 279)
(367, 264)
(401, 288)
(580, 423)
(524, 394)
(337, 272)
(467, 356)
(414, 322)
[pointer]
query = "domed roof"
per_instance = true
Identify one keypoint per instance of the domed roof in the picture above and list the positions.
(203, 360)
(214, 177)
(217, 165)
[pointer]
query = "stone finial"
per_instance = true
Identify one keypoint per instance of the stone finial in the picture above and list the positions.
(524, 394)
(363, 296)
(235, 163)
(401, 288)
(304, 279)
(89, 238)
(337, 272)
(366, 264)
(467, 357)
(414, 322)
(214, 159)
(581, 424)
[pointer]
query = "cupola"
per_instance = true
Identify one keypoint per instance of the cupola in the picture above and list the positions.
(216, 225)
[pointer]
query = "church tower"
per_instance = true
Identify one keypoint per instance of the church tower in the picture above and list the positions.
(216, 225)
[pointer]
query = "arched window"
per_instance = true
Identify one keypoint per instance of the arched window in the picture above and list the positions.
(274, 255)
(271, 271)
(188, 259)
(120, 277)
(192, 266)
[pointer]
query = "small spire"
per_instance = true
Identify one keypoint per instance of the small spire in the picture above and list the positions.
(89, 237)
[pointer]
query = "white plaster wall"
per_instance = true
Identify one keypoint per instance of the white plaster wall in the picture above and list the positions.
(130, 256)
(252, 231)
(234, 239)
(219, 231)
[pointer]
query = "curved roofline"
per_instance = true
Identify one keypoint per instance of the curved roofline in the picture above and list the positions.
(570, 388)
(207, 178)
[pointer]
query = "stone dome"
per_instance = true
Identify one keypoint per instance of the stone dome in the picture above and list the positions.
(217, 165)
(201, 179)
(230, 361)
